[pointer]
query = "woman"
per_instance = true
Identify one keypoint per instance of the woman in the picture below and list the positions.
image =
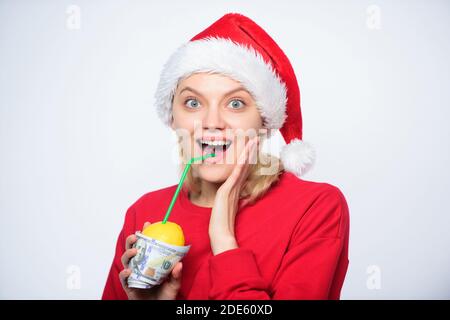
(256, 229)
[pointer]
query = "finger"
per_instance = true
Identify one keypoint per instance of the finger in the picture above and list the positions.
(246, 157)
(170, 287)
(249, 148)
(175, 279)
(250, 158)
(177, 270)
(254, 151)
(127, 255)
(239, 169)
(237, 172)
(123, 276)
(243, 154)
(129, 241)
(146, 224)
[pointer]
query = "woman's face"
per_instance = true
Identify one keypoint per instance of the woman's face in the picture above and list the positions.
(214, 107)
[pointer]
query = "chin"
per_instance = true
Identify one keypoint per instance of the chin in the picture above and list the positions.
(216, 173)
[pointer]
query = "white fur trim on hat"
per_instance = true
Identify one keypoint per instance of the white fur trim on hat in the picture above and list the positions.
(225, 56)
(297, 157)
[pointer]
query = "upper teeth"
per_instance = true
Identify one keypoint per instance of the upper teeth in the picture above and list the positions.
(215, 143)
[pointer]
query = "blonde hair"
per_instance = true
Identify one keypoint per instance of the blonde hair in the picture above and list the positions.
(258, 181)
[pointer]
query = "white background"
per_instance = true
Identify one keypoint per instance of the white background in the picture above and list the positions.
(80, 139)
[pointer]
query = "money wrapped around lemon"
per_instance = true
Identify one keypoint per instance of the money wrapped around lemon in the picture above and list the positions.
(168, 232)
(159, 247)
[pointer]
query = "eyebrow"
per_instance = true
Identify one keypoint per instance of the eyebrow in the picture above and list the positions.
(198, 93)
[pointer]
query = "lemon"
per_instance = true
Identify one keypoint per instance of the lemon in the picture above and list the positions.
(168, 232)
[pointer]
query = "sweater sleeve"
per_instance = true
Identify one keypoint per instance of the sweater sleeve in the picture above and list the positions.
(313, 267)
(113, 288)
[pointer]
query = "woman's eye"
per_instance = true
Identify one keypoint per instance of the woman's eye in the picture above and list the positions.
(194, 105)
(236, 104)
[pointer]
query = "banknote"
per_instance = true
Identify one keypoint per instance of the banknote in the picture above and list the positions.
(153, 262)
(139, 285)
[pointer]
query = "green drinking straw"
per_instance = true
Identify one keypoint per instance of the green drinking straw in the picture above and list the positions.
(183, 176)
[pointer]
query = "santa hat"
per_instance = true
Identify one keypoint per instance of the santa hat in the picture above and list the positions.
(237, 47)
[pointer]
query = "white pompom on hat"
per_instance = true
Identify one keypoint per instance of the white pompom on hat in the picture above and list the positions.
(237, 47)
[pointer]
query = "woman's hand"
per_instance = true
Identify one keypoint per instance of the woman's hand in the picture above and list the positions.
(221, 223)
(168, 290)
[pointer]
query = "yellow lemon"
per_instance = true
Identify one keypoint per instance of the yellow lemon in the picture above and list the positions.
(168, 232)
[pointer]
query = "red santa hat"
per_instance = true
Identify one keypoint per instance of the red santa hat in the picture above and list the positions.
(237, 47)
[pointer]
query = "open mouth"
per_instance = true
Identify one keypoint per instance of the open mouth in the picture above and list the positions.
(214, 145)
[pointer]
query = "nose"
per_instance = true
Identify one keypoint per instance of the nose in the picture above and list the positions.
(213, 119)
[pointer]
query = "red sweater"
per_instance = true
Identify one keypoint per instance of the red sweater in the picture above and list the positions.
(293, 244)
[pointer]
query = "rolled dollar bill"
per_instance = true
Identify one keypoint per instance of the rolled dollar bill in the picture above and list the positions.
(153, 262)
(139, 285)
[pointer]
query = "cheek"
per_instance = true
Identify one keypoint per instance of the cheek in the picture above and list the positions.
(184, 120)
(187, 120)
(179, 119)
(245, 120)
